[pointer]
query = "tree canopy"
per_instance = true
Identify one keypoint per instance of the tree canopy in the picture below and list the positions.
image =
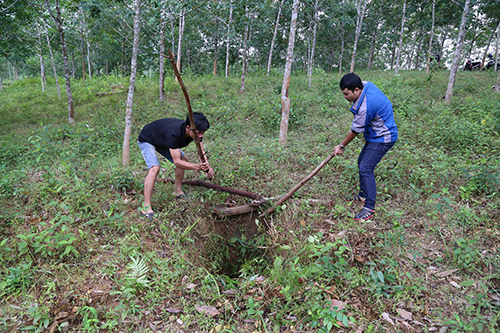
(104, 29)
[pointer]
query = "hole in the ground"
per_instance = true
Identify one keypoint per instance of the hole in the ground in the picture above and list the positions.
(235, 240)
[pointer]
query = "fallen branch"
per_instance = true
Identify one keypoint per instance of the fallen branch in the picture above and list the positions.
(242, 193)
(299, 185)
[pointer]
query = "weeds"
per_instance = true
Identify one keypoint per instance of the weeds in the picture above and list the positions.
(483, 178)
(18, 278)
(69, 212)
(464, 253)
(52, 240)
(328, 318)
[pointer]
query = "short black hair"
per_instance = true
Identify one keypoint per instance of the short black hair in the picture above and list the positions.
(351, 81)
(200, 121)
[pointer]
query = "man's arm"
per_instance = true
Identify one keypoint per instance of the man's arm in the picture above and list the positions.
(348, 138)
(180, 163)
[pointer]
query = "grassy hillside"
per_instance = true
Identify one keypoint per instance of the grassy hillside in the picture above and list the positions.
(76, 255)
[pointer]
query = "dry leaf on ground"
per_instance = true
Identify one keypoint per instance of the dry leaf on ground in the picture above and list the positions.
(207, 310)
(173, 310)
(338, 304)
(405, 314)
(446, 273)
(387, 318)
(191, 286)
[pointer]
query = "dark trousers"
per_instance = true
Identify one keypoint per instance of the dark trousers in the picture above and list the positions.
(368, 159)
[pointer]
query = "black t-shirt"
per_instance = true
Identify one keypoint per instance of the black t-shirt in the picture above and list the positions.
(165, 133)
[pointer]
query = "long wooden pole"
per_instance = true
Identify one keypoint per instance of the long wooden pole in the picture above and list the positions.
(299, 185)
(242, 193)
(188, 103)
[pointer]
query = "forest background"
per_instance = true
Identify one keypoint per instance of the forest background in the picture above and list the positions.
(75, 253)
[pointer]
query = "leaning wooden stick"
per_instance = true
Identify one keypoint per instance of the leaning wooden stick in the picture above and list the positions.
(299, 185)
(188, 103)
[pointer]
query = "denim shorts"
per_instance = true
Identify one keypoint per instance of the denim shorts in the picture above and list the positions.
(149, 153)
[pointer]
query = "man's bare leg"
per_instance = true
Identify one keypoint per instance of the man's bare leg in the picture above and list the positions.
(149, 184)
(179, 177)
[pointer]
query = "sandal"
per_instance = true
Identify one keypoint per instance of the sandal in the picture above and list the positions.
(356, 198)
(182, 197)
(150, 216)
(364, 215)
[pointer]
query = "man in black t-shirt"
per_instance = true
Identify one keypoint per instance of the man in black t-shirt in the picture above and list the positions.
(167, 136)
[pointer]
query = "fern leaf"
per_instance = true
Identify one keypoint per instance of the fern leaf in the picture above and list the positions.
(138, 270)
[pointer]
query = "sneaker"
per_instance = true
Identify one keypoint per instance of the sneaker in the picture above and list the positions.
(356, 198)
(364, 215)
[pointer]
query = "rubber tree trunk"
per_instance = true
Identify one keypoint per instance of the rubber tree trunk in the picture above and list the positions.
(285, 101)
(82, 40)
(458, 53)
(216, 52)
(73, 68)
(123, 58)
(161, 86)
(172, 31)
(86, 36)
(181, 34)
(372, 48)
(40, 54)
(401, 38)
(273, 41)
(487, 49)
(360, 6)
(313, 47)
(496, 48)
(245, 55)
(416, 56)
(474, 38)
(429, 51)
(342, 48)
(419, 47)
(497, 86)
(228, 39)
(131, 87)
(60, 29)
(88, 52)
(409, 57)
(330, 59)
(52, 60)
(443, 40)
(393, 55)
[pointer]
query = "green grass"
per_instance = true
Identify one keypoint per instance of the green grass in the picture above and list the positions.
(74, 248)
